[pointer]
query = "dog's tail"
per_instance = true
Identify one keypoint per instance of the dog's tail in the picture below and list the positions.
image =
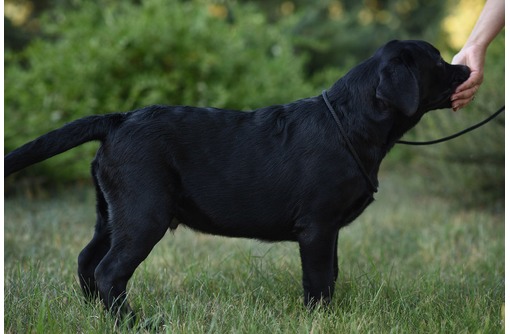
(60, 140)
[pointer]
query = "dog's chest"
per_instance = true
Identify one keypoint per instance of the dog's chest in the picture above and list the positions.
(357, 208)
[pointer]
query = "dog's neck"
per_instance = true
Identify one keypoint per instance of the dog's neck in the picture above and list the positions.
(380, 130)
(372, 134)
(347, 141)
(365, 130)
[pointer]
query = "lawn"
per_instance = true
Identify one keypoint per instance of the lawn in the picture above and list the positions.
(412, 263)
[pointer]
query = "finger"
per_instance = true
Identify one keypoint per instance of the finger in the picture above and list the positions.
(475, 79)
(465, 94)
(469, 83)
(461, 103)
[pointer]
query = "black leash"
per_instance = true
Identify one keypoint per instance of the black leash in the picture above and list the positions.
(455, 135)
(348, 142)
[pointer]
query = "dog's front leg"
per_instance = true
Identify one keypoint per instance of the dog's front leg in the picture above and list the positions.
(317, 248)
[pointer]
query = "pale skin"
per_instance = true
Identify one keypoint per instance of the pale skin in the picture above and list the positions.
(489, 24)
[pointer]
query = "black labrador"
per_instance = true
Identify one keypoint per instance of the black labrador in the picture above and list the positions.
(296, 172)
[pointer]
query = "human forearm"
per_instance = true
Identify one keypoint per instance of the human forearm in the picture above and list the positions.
(488, 25)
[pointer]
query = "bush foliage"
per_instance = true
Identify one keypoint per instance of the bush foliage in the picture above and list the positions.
(120, 56)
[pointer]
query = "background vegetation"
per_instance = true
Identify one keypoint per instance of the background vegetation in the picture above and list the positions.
(121, 56)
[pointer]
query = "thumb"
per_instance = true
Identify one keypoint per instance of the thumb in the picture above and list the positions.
(458, 59)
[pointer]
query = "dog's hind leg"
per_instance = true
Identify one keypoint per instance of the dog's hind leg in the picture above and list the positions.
(97, 248)
(335, 259)
(141, 213)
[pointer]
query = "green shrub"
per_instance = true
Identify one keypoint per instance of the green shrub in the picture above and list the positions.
(118, 56)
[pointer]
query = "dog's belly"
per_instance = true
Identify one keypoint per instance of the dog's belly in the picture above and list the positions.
(269, 216)
(232, 220)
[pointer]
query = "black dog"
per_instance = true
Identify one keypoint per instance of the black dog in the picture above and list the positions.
(295, 172)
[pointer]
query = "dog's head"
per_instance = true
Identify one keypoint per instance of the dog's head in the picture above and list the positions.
(413, 78)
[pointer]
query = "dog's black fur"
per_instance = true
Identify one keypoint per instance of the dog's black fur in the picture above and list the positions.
(277, 173)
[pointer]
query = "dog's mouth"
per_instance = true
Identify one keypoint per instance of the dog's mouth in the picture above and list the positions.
(462, 73)
(444, 99)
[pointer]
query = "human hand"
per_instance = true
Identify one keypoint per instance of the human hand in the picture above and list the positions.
(474, 58)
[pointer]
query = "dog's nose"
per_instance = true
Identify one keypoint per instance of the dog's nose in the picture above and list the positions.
(460, 74)
(463, 73)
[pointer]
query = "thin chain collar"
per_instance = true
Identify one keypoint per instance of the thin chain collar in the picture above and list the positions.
(351, 148)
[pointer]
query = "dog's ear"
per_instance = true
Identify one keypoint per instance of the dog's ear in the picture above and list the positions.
(398, 86)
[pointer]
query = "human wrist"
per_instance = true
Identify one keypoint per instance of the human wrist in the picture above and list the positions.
(475, 47)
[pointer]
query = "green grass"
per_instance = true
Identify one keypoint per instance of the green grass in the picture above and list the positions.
(410, 264)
